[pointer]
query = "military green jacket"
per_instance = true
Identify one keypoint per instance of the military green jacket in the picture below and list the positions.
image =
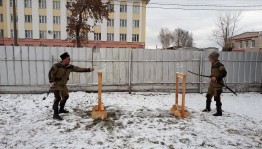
(218, 70)
(59, 73)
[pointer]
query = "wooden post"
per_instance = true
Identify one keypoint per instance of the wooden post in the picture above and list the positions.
(177, 110)
(99, 110)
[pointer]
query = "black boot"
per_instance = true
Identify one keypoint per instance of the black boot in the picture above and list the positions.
(62, 105)
(56, 115)
(62, 110)
(208, 102)
(219, 112)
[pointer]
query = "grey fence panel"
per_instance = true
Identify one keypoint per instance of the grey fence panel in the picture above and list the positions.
(18, 65)
(29, 66)
(3, 66)
(10, 65)
(159, 66)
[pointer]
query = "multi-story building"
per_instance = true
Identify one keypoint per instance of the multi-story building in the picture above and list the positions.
(43, 23)
(248, 42)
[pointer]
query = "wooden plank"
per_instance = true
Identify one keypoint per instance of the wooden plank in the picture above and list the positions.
(240, 72)
(103, 65)
(3, 66)
(247, 66)
(159, 66)
(25, 66)
(259, 68)
(47, 63)
(32, 66)
(18, 66)
(146, 66)
(75, 56)
(109, 55)
(116, 70)
(253, 67)
(206, 67)
(10, 66)
(171, 66)
(141, 67)
(165, 66)
(229, 68)
(153, 66)
(82, 63)
(134, 66)
(40, 66)
(123, 66)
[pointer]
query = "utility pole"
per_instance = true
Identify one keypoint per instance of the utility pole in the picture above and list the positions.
(14, 19)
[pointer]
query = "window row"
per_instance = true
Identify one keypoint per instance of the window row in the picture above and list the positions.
(123, 23)
(110, 37)
(123, 8)
(247, 44)
(28, 19)
(29, 34)
(28, 4)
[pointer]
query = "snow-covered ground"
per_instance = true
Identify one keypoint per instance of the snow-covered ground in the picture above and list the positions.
(138, 120)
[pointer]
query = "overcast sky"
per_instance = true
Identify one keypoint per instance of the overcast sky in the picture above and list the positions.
(200, 22)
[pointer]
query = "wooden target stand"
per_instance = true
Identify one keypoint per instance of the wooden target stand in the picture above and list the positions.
(180, 110)
(99, 111)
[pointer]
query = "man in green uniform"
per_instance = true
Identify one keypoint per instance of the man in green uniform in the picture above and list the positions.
(218, 72)
(58, 77)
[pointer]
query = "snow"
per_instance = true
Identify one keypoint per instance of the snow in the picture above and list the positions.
(137, 120)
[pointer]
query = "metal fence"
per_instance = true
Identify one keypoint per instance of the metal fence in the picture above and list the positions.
(25, 69)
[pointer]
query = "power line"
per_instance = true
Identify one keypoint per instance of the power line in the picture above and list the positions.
(185, 7)
(203, 5)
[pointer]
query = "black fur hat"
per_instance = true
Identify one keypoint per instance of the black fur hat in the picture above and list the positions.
(64, 55)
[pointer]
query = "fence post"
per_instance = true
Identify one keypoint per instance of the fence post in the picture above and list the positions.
(129, 71)
(200, 72)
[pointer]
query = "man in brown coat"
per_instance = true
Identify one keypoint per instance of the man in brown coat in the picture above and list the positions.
(218, 72)
(58, 77)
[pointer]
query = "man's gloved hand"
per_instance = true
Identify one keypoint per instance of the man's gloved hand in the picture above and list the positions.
(52, 84)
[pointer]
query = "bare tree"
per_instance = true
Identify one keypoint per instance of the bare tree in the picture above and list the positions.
(165, 37)
(79, 13)
(182, 38)
(226, 28)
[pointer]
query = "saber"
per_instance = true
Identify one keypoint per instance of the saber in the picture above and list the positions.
(217, 82)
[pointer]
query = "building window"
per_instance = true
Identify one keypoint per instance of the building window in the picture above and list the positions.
(110, 22)
(97, 36)
(28, 18)
(42, 3)
(42, 34)
(57, 34)
(246, 44)
(253, 43)
(12, 33)
(122, 23)
(135, 37)
(110, 37)
(123, 8)
(122, 37)
(42, 19)
(1, 18)
(110, 7)
(136, 9)
(28, 3)
(56, 4)
(56, 19)
(1, 3)
(28, 34)
(135, 23)
(12, 18)
(1, 33)
(240, 44)
(11, 3)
